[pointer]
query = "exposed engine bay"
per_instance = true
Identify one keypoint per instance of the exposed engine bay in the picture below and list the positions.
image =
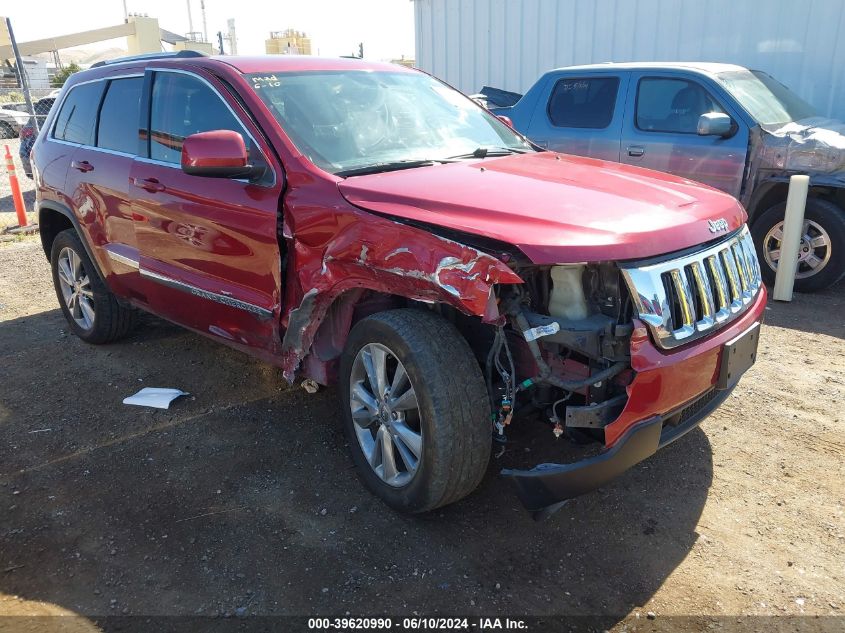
(564, 352)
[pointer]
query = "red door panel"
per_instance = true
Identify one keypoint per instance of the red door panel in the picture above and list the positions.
(208, 247)
(98, 183)
(209, 252)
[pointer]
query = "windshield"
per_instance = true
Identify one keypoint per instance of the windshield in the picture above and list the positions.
(347, 121)
(767, 100)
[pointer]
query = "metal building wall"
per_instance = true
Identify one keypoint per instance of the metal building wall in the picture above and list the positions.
(510, 43)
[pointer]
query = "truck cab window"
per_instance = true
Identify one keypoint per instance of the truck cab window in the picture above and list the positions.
(583, 103)
(672, 105)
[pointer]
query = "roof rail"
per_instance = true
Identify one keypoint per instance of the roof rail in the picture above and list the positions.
(148, 56)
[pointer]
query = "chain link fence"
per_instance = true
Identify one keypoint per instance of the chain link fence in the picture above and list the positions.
(18, 133)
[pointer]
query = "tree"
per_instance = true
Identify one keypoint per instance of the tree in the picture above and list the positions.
(61, 77)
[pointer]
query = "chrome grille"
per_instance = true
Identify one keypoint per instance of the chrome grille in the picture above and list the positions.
(681, 299)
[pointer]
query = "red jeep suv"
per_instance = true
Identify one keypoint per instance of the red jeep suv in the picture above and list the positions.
(365, 224)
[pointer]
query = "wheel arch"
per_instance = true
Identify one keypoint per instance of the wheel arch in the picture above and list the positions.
(767, 195)
(324, 331)
(53, 218)
(775, 191)
(376, 254)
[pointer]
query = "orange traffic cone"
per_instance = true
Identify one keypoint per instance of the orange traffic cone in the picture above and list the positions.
(17, 197)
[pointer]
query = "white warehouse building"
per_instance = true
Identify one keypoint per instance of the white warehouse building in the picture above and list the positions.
(508, 44)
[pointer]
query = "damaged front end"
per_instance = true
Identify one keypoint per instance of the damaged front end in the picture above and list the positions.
(564, 355)
(813, 146)
(629, 356)
(574, 325)
(575, 354)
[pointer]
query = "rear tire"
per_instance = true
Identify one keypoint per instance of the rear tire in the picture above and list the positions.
(90, 308)
(824, 222)
(6, 130)
(448, 420)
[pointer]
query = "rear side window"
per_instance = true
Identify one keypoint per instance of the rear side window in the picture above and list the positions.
(75, 122)
(120, 115)
(672, 105)
(584, 103)
(183, 105)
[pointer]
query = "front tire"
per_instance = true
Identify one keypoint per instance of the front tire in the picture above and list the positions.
(91, 310)
(821, 261)
(415, 409)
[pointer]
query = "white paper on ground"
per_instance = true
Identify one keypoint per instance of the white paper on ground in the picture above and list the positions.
(157, 397)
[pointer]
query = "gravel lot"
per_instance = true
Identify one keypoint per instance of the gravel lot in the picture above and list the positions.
(242, 500)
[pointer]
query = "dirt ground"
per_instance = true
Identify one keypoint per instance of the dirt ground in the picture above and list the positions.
(241, 499)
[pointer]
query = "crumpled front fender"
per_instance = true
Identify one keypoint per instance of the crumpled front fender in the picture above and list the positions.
(379, 254)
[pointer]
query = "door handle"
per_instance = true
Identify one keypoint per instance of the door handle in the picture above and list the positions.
(636, 150)
(148, 184)
(83, 166)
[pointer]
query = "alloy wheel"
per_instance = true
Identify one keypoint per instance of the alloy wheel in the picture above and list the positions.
(813, 252)
(386, 414)
(76, 288)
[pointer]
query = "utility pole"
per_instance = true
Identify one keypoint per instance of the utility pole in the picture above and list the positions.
(233, 38)
(22, 75)
(190, 18)
(220, 41)
(204, 23)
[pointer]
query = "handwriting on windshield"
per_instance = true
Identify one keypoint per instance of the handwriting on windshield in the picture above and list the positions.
(265, 81)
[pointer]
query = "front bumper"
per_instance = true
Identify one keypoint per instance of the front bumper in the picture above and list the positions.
(548, 487)
(670, 395)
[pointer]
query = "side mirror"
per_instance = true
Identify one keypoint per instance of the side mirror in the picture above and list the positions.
(715, 124)
(505, 119)
(216, 154)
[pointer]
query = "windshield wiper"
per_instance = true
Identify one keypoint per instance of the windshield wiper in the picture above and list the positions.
(391, 166)
(484, 152)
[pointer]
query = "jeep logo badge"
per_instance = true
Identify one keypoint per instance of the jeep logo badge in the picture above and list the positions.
(717, 225)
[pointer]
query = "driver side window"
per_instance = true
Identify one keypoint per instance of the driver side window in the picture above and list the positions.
(183, 105)
(672, 105)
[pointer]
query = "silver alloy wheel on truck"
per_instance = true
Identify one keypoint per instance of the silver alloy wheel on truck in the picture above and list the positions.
(813, 252)
(821, 257)
(76, 288)
(386, 414)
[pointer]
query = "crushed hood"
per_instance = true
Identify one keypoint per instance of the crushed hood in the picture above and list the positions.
(813, 145)
(556, 208)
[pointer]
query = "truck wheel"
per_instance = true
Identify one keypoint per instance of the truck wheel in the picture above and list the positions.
(90, 308)
(821, 256)
(415, 409)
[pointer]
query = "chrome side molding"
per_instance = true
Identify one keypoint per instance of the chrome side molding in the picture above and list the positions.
(260, 312)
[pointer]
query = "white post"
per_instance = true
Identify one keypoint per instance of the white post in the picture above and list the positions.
(793, 227)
